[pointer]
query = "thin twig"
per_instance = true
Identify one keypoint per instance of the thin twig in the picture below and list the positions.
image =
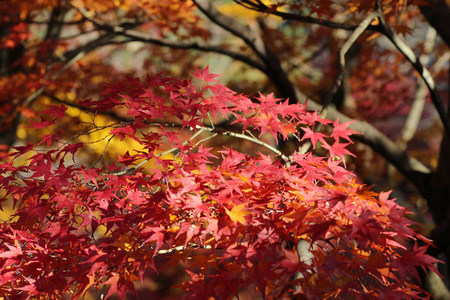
(202, 129)
(252, 139)
(104, 151)
(131, 170)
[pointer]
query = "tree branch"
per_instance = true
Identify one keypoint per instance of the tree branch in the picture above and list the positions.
(261, 7)
(341, 63)
(251, 139)
(142, 37)
(214, 131)
(236, 28)
(111, 114)
(415, 113)
(437, 13)
(423, 72)
(382, 28)
(274, 69)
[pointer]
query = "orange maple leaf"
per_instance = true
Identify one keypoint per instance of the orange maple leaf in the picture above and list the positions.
(237, 214)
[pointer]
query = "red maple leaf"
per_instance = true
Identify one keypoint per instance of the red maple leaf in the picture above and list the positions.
(342, 131)
(313, 136)
(204, 74)
(338, 149)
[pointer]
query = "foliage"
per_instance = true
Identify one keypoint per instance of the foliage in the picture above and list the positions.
(235, 220)
(246, 193)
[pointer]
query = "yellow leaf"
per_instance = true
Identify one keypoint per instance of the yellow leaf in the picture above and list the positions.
(237, 214)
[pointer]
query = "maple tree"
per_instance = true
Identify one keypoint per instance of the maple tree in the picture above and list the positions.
(250, 193)
(247, 206)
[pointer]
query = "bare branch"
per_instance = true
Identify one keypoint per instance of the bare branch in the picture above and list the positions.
(423, 72)
(102, 40)
(436, 286)
(142, 37)
(200, 130)
(415, 113)
(261, 7)
(274, 69)
(382, 28)
(111, 114)
(341, 67)
(233, 26)
(251, 139)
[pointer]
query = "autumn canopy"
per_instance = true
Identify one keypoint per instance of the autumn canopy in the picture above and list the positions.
(126, 160)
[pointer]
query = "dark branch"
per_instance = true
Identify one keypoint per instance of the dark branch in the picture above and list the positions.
(261, 7)
(273, 66)
(437, 13)
(142, 37)
(236, 28)
(423, 72)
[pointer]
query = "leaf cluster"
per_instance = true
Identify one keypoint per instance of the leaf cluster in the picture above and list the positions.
(236, 222)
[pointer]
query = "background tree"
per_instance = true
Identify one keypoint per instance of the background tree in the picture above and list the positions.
(348, 58)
